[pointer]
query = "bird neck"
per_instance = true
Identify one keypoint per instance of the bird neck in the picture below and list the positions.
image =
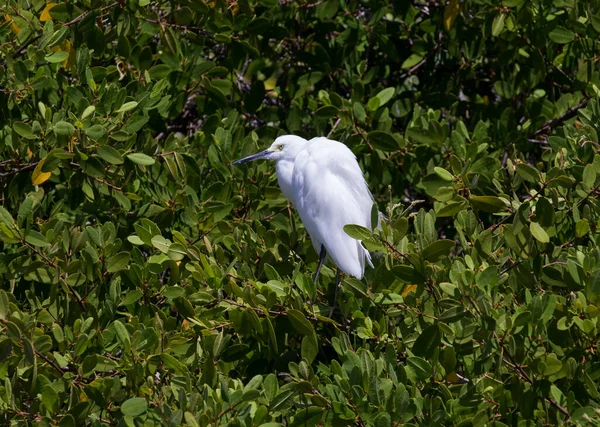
(285, 171)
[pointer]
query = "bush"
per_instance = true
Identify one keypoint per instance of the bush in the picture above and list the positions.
(145, 281)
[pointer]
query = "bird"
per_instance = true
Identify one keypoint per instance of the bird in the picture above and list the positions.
(323, 181)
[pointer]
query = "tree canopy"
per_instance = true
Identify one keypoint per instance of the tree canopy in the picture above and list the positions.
(146, 281)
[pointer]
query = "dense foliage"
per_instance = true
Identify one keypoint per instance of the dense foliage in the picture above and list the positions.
(145, 281)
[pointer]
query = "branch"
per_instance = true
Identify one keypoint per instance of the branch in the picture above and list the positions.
(25, 168)
(23, 48)
(80, 17)
(186, 28)
(50, 362)
(108, 184)
(519, 369)
(337, 122)
(412, 70)
(571, 112)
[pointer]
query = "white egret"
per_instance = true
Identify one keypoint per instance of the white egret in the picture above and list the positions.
(323, 180)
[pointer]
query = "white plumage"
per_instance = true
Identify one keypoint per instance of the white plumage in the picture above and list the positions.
(323, 180)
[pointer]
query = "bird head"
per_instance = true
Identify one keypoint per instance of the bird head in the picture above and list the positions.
(285, 147)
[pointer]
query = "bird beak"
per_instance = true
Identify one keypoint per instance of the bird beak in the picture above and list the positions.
(257, 156)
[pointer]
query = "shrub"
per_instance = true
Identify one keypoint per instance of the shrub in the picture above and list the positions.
(147, 282)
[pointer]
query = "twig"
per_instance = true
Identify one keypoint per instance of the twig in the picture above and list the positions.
(185, 28)
(50, 362)
(337, 122)
(513, 364)
(108, 184)
(200, 237)
(16, 171)
(80, 17)
(412, 70)
(100, 180)
(48, 262)
(571, 112)
(22, 49)
(510, 267)
(593, 191)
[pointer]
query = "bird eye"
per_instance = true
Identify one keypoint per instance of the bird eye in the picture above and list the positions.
(280, 147)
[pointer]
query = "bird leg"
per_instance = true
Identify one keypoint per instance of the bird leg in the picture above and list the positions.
(338, 279)
(322, 256)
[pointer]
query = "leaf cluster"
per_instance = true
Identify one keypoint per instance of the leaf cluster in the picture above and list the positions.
(145, 281)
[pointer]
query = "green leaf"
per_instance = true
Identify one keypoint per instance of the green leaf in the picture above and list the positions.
(383, 140)
(64, 128)
(326, 112)
(429, 341)
(589, 176)
(170, 40)
(538, 232)
(374, 215)
(544, 212)
(8, 229)
(359, 111)
(174, 364)
(95, 132)
(385, 95)
(373, 104)
(128, 106)
(451, 209)
(118, 262)
(24, 130)
(424, 136)
(176, 251)
(582, 228)
(56, 57)
(88, 111)
(270, 386)
(420, 366)
(134, 407)
(408, 274)
(551, 365)
(561, 35)
(528, 173)
(4, 308)
(412, 60)
(64, 12)
(595, 21)
(43, 343)
(49, 397)
(283, 400)
(438, 249)
(299, 322)
(36, 238)
(141, 159)
(160, 243)
(109, 154)
(489, 204)
(444, 174)
(358, 232)
(122, 334)
(453, 314)
(498, 24)
(132, 297)
(308, 349)
(562, 181)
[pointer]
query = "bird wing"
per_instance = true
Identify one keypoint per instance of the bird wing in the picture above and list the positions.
(331, 192)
